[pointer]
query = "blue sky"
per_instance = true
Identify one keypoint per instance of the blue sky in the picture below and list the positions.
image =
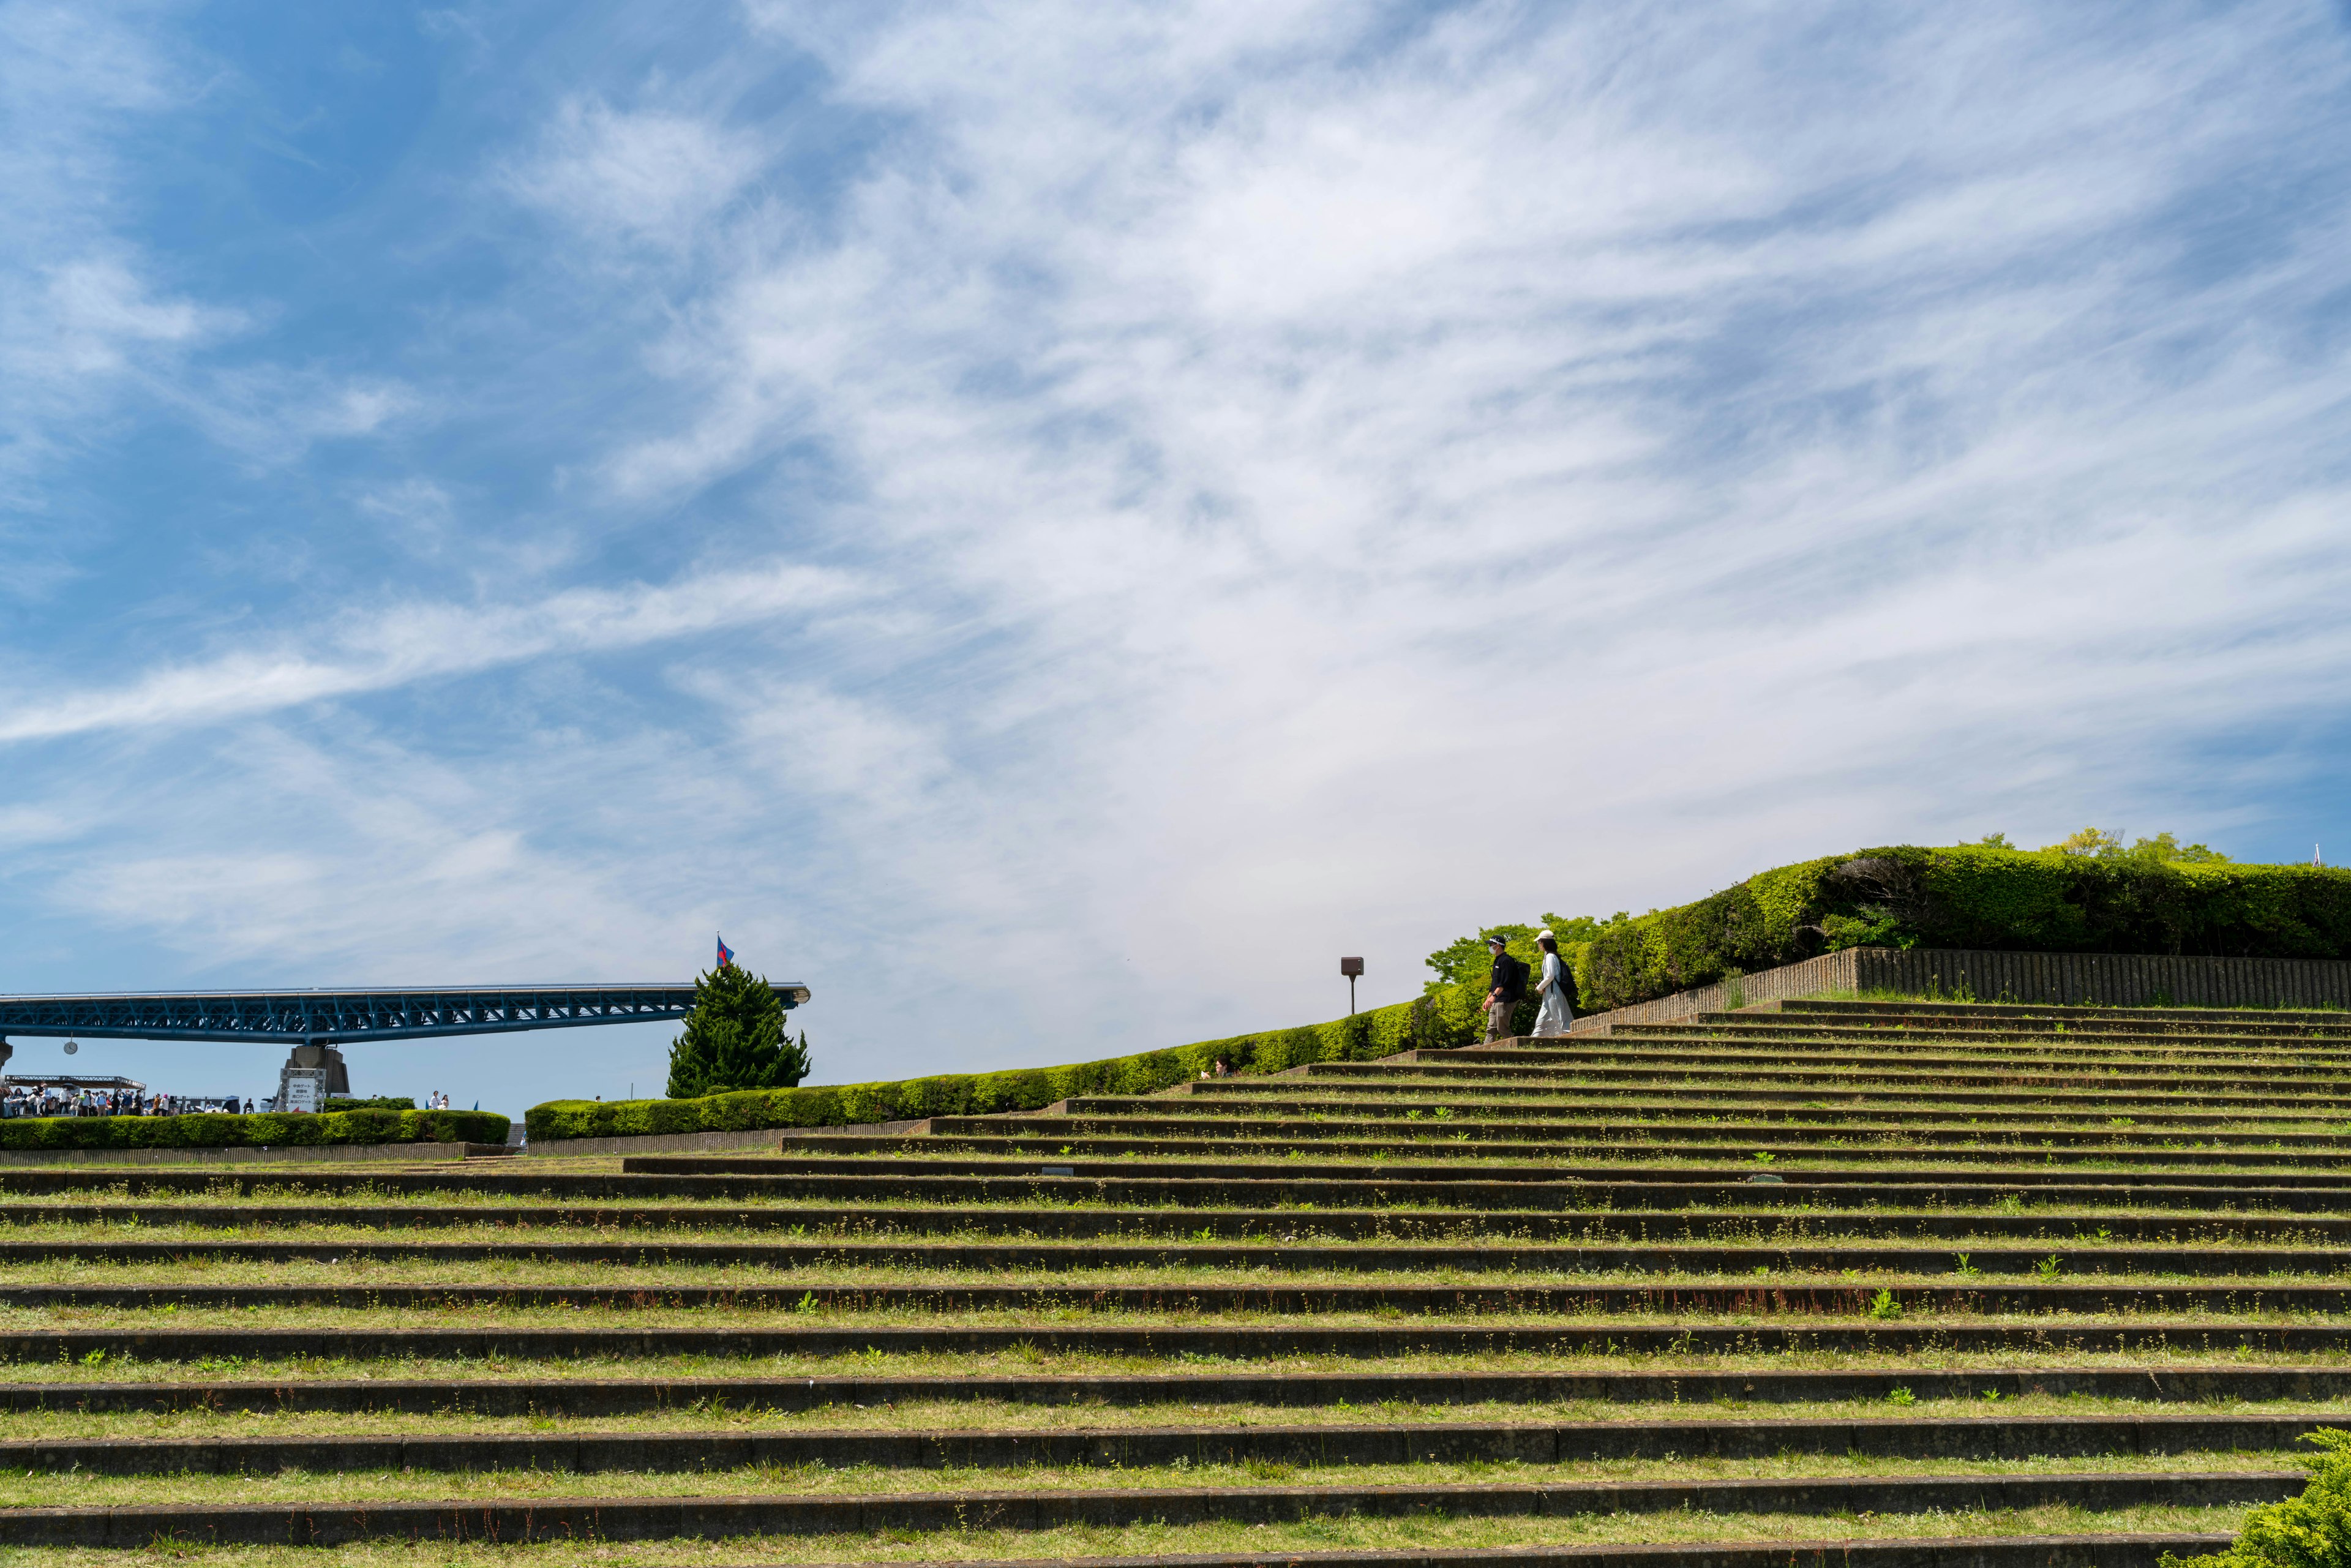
(1052, 522)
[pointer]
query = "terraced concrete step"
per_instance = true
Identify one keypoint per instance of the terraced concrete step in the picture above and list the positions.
(2091, 1551)
(2148, 1334)
(1466, 1147)
(1800, 1070)
(1683, 1222)
(1752, 1296)
(1472, 1157)
(1597, 1133)
(2081, 1255)
(1866, 1051)
(1976, 1437)
(2055, 1035)
(2314, 1021)
(2164, 1382)
(1855, 1111)
(1269, 1183)
(570, 1520)
(2082, 1103)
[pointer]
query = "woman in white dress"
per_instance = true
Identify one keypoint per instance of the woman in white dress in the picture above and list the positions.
(1555, 1015)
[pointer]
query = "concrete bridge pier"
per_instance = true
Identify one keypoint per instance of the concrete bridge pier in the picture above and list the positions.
(312, 1071)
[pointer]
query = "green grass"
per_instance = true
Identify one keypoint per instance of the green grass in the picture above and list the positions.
(331, 1488)
(1420, 1532)
(1028, 1360)
(2106, 1265)
(716, 1414)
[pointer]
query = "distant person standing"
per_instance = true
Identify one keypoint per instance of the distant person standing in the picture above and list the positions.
(1556, 1012)
(1505, 990)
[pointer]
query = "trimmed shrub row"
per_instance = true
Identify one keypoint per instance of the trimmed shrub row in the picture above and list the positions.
(218, 1130)
(1362, 1038)
(1967, 896)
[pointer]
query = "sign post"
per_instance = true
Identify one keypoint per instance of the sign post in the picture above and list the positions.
(1352, 968)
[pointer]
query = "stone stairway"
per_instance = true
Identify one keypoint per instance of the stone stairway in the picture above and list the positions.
(1936, 1282)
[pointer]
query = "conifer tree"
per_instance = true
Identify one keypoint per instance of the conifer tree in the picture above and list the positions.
(735, 1039)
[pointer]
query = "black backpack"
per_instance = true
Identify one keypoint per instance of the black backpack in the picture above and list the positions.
(1515, 988)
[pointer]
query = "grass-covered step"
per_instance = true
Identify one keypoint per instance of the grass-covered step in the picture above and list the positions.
(1803, 1069)
(1675, 1392)
(1715, 1144)
(1556, 1187)
(1767, 1061)
(383, 1339)
(1609, 1132)
(1648, 1109)
(1744, 1039)
(2121, 1547)
(2096, 1039)
(1660, 1152)
(1210, 1294)
(504, 1517)
(2085, 1253)
(1422, 1170)
(1571, 1123)
(2317, 1023)
(1733, 1048)
(2071, 1099)
(1545, 1443)
(2092, 1218)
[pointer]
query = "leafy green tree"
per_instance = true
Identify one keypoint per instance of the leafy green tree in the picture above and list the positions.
(1580, 929)
(2090, 843)
(735, 1039)
(2164, 849)
(2311, 1531)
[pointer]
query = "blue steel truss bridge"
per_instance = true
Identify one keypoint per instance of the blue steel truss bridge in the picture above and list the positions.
(346, 1017)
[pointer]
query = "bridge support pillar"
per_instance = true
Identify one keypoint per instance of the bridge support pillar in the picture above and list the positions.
(311, 1073)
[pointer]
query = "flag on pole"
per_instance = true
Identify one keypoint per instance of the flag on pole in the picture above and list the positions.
(726, 954)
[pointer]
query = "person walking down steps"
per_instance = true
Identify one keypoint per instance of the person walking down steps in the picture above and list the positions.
(1504, 992)
(1552, 991)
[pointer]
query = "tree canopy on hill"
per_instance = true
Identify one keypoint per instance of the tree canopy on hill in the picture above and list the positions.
(2094, 844)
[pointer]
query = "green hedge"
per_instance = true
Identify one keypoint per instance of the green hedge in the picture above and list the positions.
(1365, 1036)
(1967, 896)
(274, 1131)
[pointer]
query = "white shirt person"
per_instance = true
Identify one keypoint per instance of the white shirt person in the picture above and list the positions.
(1554, 1015)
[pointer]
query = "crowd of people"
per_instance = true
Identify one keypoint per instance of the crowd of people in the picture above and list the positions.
(60, 1100)
(65, 1100)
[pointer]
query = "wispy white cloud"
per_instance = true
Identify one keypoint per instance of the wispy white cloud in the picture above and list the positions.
(649, 176)
(92, 321)
(1603, 411)
(429, 641)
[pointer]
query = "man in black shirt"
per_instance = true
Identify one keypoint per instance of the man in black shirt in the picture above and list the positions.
(1506, 990)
